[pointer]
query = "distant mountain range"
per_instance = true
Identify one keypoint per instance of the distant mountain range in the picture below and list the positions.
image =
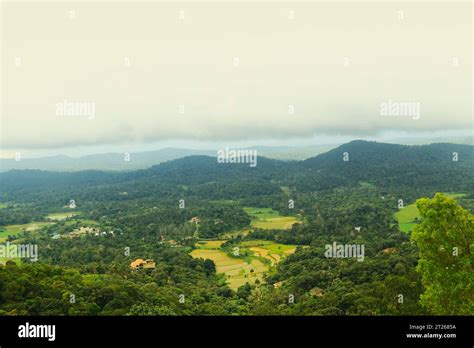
(143, 160)
(447, 167)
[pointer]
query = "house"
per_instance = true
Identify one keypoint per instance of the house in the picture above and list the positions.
(278, 285)
(149, 264)
(317, 292)
(389, 250)
(172, 243)
(137, 264)
(145, 264)
(195, 220)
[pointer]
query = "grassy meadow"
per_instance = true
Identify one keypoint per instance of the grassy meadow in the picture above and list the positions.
(16, 229)
(267, 218)
(408, 216)
(61, 216)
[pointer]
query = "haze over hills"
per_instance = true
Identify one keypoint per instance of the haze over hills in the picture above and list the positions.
(106, 161)
(141, 160)
(146, 159)
(385, 165)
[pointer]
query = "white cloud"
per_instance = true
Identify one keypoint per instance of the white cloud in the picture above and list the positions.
(190, 63)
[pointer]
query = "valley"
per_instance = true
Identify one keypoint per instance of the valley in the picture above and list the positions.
(238, 240)
(246, 264)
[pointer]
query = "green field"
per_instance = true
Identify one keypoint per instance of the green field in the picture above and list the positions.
(454, 194)
(61, 216)
(269, 245)
(3, 260)
(267, 218)
(273, 252)
(210, 244)
(407, 215)
(82, 222)
(16, 229)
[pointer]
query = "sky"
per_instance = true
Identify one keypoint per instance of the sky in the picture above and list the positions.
(206, 74)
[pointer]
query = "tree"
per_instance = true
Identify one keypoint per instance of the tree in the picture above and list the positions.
(445, 240)
(209, 266)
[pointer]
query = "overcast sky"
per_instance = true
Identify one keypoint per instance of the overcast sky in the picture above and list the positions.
(160, 74)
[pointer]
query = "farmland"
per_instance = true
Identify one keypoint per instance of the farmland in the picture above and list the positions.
(16, 229)
(267, 218)
(239, 271)
(61, 216)
(408, 216)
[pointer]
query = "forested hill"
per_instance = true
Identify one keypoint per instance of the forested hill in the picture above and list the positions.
(181, 212)
(444, 166)
(394, 165)
(372, 154)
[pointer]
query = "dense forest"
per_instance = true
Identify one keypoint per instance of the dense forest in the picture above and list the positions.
(352, 195)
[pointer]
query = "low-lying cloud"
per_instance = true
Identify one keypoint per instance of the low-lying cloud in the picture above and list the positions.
(234, 72)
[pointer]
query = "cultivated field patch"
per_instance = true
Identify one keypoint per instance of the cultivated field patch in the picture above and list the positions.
(267, 218)
(210, 244)
(408, 217)
(16, 229)
(273, 252)
(239, 271)
(61, 216)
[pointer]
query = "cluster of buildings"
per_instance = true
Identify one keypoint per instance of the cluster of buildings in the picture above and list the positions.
(142, 264)
(84, 230)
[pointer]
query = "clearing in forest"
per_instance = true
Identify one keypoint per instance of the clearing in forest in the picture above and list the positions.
(408, 217)
(267, 218)
(239, 271)
(16, 229)
(61, 216)
(274, 252)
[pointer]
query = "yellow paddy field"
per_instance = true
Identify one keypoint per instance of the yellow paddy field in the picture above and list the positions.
(237, 270)
(277, 223)
(61, 216)
(267, 218)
